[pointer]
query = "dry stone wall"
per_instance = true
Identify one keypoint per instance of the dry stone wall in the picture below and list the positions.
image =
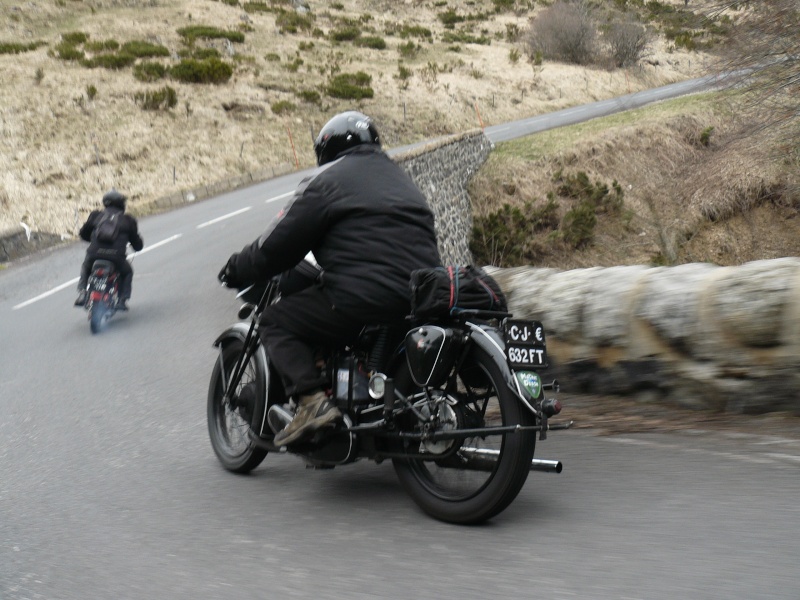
(697, 335)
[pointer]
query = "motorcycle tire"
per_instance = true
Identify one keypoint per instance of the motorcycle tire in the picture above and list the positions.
(229, 428)
(447, 491)
(97, 316)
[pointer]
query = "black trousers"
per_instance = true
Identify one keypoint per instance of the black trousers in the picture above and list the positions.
(294, 329)
(123, 266)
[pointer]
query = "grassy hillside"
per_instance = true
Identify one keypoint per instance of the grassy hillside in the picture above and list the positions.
(680, 181)
(157, 96)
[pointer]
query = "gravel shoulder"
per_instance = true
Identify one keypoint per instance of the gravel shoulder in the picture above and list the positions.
(607, 415)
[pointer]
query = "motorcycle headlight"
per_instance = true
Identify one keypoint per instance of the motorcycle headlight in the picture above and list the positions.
(530, 383)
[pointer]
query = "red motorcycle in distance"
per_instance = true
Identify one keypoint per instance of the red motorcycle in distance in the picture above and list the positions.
(102, 299)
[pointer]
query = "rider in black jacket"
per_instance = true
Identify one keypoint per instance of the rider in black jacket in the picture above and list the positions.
(368, 226)
(114, 251)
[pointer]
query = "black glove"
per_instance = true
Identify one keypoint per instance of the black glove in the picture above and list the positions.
(227, 275)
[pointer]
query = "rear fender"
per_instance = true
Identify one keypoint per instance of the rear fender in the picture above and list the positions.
(491, 341)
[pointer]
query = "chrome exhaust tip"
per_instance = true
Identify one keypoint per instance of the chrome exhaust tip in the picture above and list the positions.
(484, 459)
(546, 466)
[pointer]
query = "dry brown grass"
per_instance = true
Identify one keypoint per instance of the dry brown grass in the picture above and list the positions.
(59, 150)
(727, 202)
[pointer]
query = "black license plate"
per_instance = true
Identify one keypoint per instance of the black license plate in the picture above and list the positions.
(525, 345)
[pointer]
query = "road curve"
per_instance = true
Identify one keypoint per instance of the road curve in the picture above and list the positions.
(109, 487)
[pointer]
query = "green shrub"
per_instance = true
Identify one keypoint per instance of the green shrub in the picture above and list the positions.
(141, 49)
(204, 53)
(682, 39)
(116, 61)
(102, 46)
(452, 37)
(149, 71)
(91, 92)
(12, 48)
(282, 107)
(310, 96)
(449, 18)
(256, 7)
(272, 57)
(409, 49)
(294, 66)
(289, 21)
(350, 86)
(345, 34)
(374, 42)
(66, 51)
(597, 194)
(501, 5)
(577, 228)
(705, 136)
(74, 38)
(192, 32)
(210, 70)
(162, 99)
(417, 31)
(404, 73)
(504, 237)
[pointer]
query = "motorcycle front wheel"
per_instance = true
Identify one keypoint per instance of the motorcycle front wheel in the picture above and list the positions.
(484, 474)
(229, 424)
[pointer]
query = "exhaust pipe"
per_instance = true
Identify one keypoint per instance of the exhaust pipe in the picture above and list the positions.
(485, 459)
(546, 466)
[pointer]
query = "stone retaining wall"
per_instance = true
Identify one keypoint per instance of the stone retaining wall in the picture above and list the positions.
(697, 335)
(442, 170)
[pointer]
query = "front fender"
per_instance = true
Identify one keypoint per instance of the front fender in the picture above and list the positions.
(491, 342)
(238, 333)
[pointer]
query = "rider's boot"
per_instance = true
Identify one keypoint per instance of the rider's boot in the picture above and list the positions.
(123, 304)
(314, 412)
(81, 299)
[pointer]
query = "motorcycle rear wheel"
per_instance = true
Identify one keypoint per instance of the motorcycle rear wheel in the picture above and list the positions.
(229, 428)
(97, 316)
(500, 464)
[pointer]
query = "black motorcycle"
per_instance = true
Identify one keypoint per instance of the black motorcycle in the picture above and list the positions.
(456, 403)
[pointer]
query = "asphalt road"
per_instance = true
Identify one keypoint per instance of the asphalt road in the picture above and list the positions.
(109, 487)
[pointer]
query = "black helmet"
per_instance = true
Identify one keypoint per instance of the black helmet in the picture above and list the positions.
(114, 198)
(344, 131)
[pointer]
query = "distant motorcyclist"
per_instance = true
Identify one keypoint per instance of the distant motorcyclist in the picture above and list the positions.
(369, 227)
(109, 231)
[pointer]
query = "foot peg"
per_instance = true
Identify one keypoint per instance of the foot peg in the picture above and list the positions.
(278, 418)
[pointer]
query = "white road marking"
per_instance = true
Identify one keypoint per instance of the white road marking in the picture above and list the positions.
(156, 245)
(789, 457)
(58, 288)
(275, 198)
(223, 217)
(46, 294)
